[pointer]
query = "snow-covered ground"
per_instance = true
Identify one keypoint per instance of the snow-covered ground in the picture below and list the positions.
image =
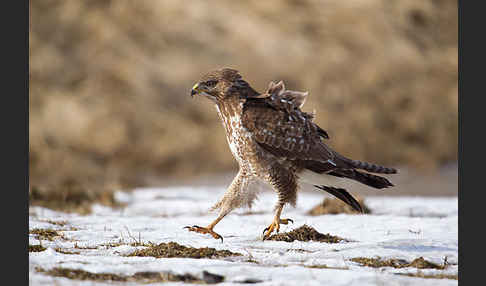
(400, 227)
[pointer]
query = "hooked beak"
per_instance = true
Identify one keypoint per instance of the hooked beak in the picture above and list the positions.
(194, 90)
(200, 89)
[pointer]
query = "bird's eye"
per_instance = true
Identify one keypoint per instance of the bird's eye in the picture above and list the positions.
(211, 83)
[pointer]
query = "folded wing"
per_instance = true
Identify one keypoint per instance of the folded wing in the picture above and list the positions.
(281, 128)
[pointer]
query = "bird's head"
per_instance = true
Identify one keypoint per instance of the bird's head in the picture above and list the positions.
(221, 84)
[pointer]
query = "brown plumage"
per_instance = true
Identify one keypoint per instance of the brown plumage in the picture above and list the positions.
(275, 141)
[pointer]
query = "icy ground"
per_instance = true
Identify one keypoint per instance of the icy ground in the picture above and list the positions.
(400, 228)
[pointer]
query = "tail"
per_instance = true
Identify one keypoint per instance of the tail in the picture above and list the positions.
(373, 168)
(364, 178)
(343, 195)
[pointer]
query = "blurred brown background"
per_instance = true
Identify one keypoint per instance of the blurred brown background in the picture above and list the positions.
(110, 80)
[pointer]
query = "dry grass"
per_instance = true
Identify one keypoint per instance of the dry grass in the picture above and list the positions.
(141, 277)
(420, 274)
(109, 81)
(419, 263)
(324, 266)
(65, 251)
(173, 249)
(36, 248)
(306, 233)
(46, 234)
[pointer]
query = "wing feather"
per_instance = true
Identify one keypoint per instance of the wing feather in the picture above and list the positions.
(285, 133)
(274, 119)
(282, 98)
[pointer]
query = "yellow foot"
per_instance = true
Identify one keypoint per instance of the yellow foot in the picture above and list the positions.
(204, 230)
(275, 226)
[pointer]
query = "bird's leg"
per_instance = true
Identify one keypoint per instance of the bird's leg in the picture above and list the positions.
(231, 199)
(275, 225)
(209, 228)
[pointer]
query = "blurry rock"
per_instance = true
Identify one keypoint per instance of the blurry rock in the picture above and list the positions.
(336, 206)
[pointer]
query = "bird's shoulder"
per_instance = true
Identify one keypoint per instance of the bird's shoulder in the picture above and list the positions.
(282, 128)
(279, 110)
(280, 98)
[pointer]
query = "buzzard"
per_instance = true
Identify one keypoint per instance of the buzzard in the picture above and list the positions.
(275, 141)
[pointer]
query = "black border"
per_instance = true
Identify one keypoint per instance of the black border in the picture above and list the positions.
(471, 122)
(15, 140)
(15, 136)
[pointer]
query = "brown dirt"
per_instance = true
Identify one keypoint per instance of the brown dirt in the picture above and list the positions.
(306, 233)
(173, 249)
(109, 82)
(336, 206)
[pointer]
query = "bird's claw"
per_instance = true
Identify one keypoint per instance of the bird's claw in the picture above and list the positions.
(204, 230)
(286, 221)
(268, 230)
(275, 226)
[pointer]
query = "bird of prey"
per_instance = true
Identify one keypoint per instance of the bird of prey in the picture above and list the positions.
(273, 140)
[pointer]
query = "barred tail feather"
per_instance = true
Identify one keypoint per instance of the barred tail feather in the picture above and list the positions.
(370, 167)
(343, 195)
(373, 168)
(364, 178)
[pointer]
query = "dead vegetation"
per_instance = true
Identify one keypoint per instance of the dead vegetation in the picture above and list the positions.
(58, 223)
(420, 274)
(70, 197)
(76, 246)
(419, 263)
(120, 243)
(324, 266)
(142, 277)
(336, 206)
(46, 234)
(36, 248)
(306, 233)
(173, 249)
(65, 251)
